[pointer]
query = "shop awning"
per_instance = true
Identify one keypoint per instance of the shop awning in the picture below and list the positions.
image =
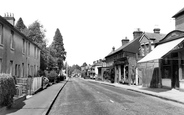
(161, 50)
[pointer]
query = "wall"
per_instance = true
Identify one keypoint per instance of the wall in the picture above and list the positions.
(19, 58)
(150, 73)
(179, 23)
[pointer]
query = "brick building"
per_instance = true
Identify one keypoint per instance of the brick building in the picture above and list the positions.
(124, 59)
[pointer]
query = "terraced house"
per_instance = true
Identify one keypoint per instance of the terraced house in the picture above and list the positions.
(19, 56)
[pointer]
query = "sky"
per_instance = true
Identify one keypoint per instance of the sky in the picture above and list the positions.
(90, 28)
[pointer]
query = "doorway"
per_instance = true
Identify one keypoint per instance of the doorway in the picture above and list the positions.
(175, 71)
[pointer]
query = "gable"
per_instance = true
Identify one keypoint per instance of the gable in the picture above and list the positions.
(173, 35)
(144, 40)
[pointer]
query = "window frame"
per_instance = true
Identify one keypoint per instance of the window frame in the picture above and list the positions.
(12, 45)
(1, 61)
(1, 35)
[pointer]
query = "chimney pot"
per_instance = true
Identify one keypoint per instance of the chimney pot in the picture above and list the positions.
(113, 48)
(137, 33)
(10, 18)
(156, 30)
(124, 41)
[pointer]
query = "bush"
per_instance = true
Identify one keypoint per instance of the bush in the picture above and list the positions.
(52, 76)
(7, 89)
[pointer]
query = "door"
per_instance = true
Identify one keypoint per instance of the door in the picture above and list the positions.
(175, 70)
(175, 75)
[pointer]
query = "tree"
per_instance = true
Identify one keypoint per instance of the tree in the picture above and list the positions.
(37, 33)
(21, 26)
(84, 64)
(58, 49)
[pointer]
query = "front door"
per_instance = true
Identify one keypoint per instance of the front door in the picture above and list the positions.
(175, 71)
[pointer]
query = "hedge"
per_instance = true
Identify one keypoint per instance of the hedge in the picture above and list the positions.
(7, 89)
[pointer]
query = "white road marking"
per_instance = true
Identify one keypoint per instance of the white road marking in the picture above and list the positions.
(111, 101)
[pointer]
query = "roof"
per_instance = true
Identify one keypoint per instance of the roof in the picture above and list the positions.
(129, 47)
(13, 28)
(178, 13)
(156, 36)
(173, 35)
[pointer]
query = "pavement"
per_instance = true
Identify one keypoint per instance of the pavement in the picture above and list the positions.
(174, 95)
(38, 104)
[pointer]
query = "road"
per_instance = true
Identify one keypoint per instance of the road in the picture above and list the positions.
(81, 97)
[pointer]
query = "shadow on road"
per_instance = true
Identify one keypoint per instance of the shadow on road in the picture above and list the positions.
(15, 107)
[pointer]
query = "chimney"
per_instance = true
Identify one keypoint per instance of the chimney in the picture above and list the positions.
(156, 30)
(113, 48)
(137, 33)
(10, 18)
(124, 41)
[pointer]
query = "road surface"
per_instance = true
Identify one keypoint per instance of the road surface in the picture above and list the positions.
(81, 97)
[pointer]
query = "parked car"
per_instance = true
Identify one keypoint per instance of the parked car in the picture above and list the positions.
(45, 82)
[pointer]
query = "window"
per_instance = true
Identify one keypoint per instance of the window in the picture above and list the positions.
(11, 67)
(0, 65)
(29, 48)
(12, 40)
(28, 70)
(16, 70)
(142, 50)
(35, 51)
(35, 70)
(22, 69)
(23, 46)
(1, 34)
(19, 70)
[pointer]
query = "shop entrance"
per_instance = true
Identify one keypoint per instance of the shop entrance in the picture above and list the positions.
(175, 71)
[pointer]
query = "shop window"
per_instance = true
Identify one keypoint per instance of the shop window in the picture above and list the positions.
(182, 66)
(166, 72)
(166, 61)
(174, 55)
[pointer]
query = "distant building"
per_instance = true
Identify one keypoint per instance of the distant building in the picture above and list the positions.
(19, 56)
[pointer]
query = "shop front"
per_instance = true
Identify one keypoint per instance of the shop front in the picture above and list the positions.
(167, 59)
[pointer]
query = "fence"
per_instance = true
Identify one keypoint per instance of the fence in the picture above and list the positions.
(28, 86)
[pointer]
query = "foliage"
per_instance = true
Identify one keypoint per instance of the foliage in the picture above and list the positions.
(73, 68)
(52, 75)
(84, 64)
(37, 33)
(7, 89)
(57, 49)
(21, 26)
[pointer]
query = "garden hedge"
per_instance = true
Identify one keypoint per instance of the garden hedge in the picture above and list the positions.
(7, 89)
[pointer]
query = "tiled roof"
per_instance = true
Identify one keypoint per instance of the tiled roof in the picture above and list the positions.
(20, 33)
(157, 37)
(178, 13)
(123, 47)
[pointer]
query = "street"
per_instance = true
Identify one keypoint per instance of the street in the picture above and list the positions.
(81, 97)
